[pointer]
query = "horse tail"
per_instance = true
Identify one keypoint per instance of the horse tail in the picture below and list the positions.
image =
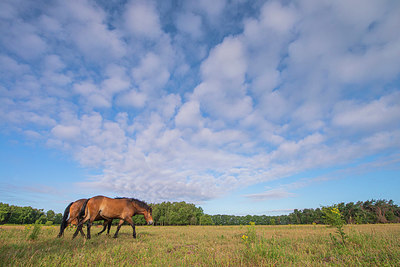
(64, 223)
(83, 210)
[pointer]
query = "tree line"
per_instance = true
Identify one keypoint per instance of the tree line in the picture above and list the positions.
(182, 213)
(27, 215)
(367, 212)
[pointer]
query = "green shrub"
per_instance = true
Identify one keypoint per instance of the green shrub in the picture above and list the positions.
(334, 218)
(35, 231)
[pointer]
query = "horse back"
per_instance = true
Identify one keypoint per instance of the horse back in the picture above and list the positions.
(110, 208)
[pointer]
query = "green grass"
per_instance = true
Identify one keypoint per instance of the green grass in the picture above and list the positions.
(291, 245)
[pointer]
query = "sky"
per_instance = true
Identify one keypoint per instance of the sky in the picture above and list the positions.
(241, 107)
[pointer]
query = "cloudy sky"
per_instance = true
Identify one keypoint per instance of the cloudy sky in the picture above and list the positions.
(241, 108)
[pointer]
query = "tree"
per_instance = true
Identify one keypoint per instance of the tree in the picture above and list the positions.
(138, 220)
(205, 219)
(50, 215)
(58, 218)
(5, 213)
(176, 213)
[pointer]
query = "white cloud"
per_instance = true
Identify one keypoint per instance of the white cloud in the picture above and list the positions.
(168, 106)
(191, 24)
(49, 24)
(53, 63)
(32, 134)
(222, 93)
(10, 67)
(189, 115)
(229, 138)
(94, 97)
(273, 105)
(211, 8)
(226, 62)
(376, 115)
(142, 20)
(7, 10)
(151, 74)
(116, 81)
(374, 64)
(270, 194)
(83, 23)
(342, 45)
(132, 98)
(91, 156)
(278, 17)
(66, 132)
(22, 38)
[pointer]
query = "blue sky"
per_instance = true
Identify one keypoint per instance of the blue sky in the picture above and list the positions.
(241, 108)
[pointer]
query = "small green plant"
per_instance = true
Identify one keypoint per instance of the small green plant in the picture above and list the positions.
(250, 241)
(35, 231)
(260, 248)
(251, 232)
(334, 218)
(250, 237)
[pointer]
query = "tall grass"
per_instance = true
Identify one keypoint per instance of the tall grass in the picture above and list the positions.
(310, 245)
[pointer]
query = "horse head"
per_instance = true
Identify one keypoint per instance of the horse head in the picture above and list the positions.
(144, 209)
(148, 216)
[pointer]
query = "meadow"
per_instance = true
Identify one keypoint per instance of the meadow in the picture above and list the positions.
(288, 245)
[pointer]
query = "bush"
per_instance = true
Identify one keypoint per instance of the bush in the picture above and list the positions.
(35, 231)
(334, 218)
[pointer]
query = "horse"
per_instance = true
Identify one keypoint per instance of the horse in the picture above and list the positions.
(73, 210)
(113, 208)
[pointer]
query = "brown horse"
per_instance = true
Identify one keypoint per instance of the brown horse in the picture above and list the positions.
(113, 208)
(72, 211)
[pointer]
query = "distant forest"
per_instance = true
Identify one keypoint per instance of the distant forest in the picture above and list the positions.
(182, 213)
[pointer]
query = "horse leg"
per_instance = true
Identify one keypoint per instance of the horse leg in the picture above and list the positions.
(79, 227)
(129, 220)
(67, 223)
(82, 233)
(119, 226)
(109, 226)
(90, 222)
(104, 227)
(88, 228)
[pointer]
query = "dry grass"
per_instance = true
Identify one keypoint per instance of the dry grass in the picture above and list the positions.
(291, 245)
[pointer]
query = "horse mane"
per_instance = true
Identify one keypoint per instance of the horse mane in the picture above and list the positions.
(140, 203)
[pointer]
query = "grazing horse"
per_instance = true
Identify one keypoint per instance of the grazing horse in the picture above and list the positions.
(73, 210)
(113, 208)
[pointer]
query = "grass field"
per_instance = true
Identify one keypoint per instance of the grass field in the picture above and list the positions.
(291, 245)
